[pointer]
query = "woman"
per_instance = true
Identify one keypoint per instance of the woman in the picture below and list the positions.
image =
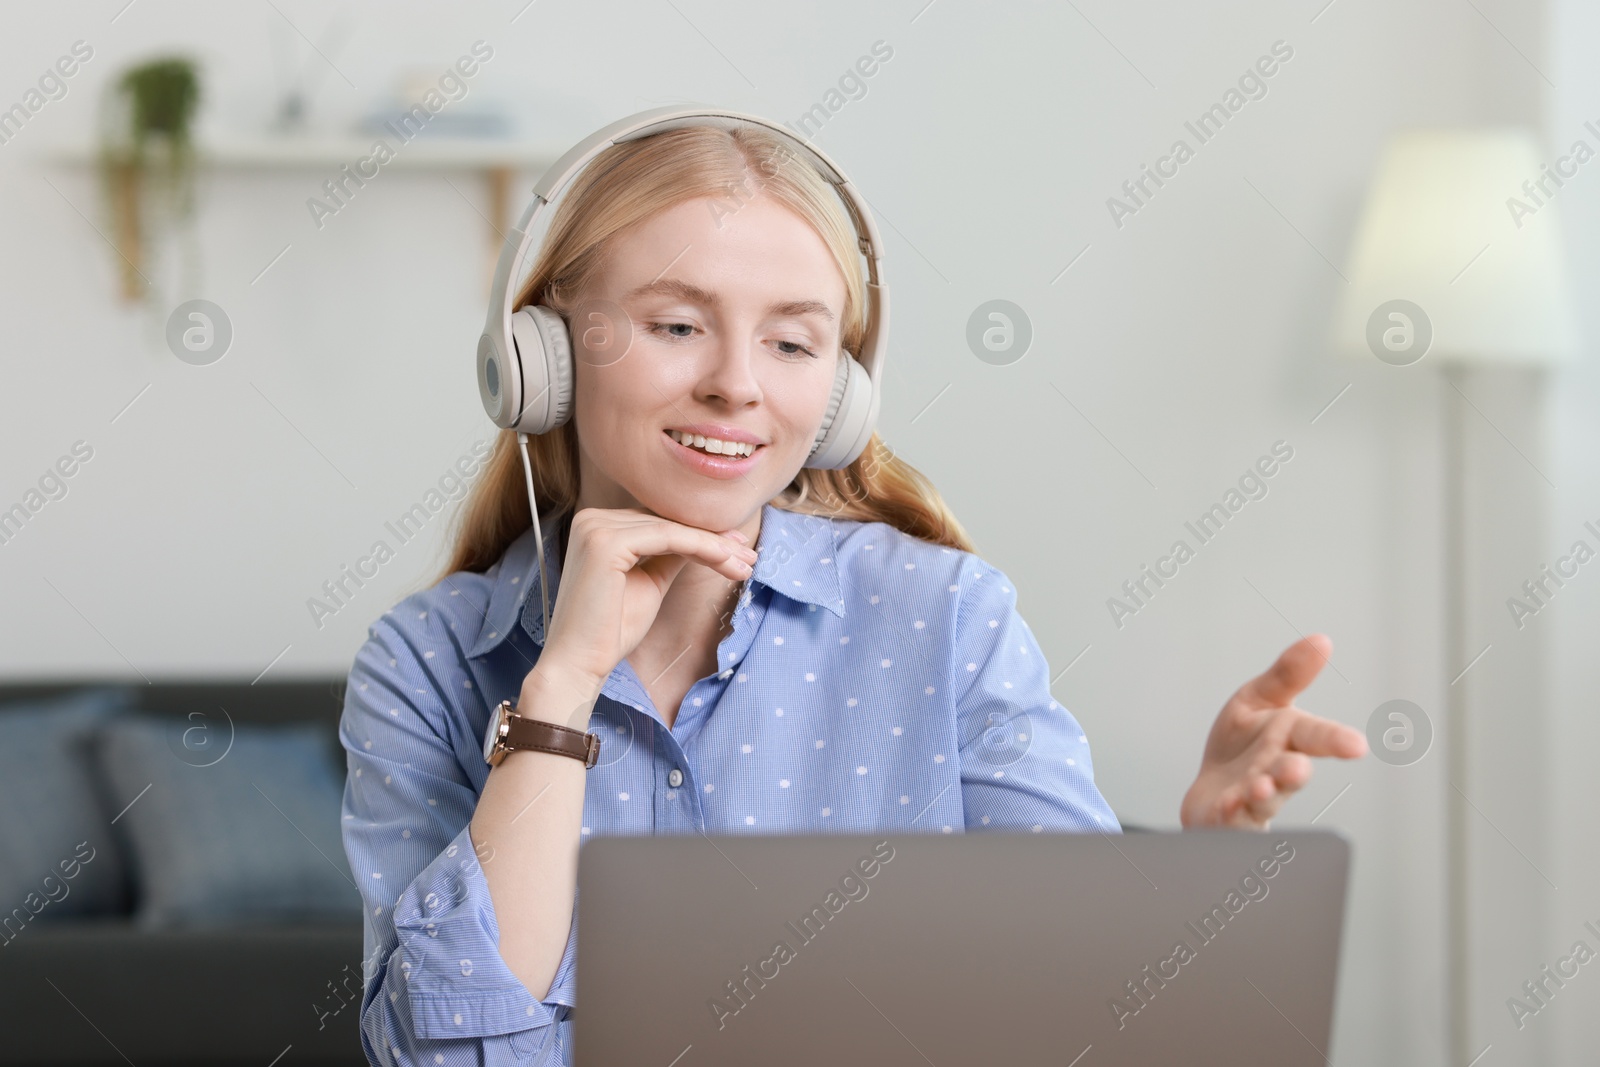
(859, 669)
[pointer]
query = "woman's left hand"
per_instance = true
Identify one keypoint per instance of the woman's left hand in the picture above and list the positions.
(1260, 748)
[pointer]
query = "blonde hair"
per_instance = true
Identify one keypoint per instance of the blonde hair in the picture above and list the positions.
(625, 185)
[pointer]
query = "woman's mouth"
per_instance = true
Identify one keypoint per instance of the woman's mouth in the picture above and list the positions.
(712, 456)
(712, 446)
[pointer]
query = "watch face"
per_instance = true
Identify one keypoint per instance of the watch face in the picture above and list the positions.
(492, 734)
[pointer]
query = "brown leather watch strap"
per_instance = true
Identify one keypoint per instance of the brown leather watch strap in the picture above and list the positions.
(522, 732)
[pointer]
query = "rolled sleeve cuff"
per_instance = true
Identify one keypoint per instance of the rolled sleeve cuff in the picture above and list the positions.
(563, 991)
(454, 978)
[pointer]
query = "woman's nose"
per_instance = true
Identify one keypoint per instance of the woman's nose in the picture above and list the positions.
(729, 373)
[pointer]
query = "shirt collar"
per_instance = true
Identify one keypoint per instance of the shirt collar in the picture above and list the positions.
(512, 578)
(797, 555)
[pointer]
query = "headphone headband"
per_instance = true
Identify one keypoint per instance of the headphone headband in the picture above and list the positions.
(505, 405)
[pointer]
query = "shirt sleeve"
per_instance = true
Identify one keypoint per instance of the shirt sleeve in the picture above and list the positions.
(437, 991)
(1024, 759)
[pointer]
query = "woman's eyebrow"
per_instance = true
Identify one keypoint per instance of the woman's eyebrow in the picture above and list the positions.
(694, 294)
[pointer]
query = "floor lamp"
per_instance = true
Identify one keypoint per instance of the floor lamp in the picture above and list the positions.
(1456, 265)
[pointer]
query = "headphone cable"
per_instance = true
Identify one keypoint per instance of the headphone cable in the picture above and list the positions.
(544, 583)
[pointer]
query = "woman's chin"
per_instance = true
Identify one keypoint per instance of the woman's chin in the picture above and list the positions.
(716, 516)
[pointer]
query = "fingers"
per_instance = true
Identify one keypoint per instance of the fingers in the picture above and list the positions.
(1289, 772)
(647, 537)
(664, 569)
(1296, 668)
(1266, 793)
(1249, 804)
(1316, 736)
(1256, 797)
(1261, 782)
(1264, 804)
(1254, 802)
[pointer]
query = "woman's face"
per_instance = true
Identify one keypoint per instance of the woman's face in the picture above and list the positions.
(735, 316)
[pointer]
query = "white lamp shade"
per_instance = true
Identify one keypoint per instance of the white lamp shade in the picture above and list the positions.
(1439, 229)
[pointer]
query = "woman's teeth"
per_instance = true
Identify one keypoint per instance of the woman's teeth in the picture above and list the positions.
(712, 445)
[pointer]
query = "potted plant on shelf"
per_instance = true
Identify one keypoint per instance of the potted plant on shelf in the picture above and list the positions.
(147, 159)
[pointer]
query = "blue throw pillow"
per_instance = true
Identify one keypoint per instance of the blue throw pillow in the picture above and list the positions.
(247, 830)
(58, 857)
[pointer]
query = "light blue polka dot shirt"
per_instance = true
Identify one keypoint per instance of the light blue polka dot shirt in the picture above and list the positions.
(873, 682)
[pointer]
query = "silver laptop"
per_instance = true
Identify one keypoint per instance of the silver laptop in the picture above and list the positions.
(1078, 950)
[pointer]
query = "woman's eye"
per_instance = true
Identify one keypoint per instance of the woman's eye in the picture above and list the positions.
(795, 348)
(657, 328)
(683, 331)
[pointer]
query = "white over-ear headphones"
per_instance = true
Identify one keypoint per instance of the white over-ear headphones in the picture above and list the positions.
(525, 357)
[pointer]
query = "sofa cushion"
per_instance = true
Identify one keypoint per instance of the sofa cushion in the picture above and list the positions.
(250, 833)
(216, 997)
(58, 857)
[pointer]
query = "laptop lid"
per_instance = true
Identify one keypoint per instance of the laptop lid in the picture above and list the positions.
(1082, 950)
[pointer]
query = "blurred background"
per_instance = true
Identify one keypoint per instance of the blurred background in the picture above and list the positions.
(226, 376)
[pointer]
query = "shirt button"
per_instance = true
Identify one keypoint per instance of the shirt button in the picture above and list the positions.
(675, 779)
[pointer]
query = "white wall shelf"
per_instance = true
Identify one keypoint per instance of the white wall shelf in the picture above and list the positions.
(424, 153)
(496, 160)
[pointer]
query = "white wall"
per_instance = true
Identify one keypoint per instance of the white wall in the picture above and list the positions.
(1189, 340)
(1575, 618)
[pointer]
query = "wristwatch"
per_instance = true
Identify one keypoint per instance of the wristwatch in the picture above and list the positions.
(508, 731)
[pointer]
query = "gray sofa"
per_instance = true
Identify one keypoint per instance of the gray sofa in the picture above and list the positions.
(113, 985)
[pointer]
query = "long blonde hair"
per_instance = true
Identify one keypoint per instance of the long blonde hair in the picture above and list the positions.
(625, 185)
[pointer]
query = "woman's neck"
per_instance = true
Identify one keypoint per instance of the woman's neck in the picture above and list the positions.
(700, 600)
(696, 614)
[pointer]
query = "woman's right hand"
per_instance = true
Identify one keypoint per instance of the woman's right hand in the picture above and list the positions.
(616, 569)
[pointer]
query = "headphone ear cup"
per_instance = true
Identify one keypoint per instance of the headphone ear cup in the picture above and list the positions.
(840, 439)
(544, 352)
